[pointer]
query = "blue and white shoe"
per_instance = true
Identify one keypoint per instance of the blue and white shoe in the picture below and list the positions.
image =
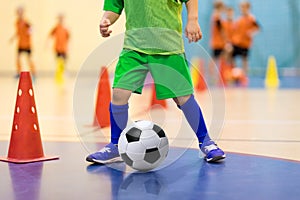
(108, 154)
(212, 152)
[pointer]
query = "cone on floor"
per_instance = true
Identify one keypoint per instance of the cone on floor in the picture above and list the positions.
(155, 101)
(201, 85)
(59, 74)
(197, 73)
(25, 142)
(272, 79)
(101, 117)
(223, 72)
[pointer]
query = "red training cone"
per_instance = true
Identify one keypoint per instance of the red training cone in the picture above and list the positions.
(101, 117)
(155, 101)
(225, 72)
(201, 85)
(25, 142)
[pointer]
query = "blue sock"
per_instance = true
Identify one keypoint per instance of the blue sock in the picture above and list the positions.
(118, 120)
(193, 114)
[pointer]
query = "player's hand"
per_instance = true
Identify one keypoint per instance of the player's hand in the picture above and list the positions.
(193, 31)
(104, 28)
(228, 47)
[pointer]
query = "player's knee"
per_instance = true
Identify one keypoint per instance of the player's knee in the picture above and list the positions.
(181, 100)
(120, 96)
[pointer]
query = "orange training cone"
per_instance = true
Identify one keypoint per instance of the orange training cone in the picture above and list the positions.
(194, 71)
(25, 142)
(201, 85)
(197, 74)
(225, 72)
(155, 101)
(101, 117)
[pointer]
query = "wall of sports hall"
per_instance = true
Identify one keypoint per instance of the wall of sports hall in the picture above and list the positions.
(279, 34)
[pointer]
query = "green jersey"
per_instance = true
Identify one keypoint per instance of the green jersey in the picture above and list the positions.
(152, 26)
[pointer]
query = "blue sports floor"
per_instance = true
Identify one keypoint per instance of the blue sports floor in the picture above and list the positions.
(238, 177)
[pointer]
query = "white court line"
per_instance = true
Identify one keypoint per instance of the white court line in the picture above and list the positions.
(276, 122)
(50, 118)
(258, 140)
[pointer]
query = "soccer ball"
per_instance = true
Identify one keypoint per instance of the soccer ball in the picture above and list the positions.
(143, 145)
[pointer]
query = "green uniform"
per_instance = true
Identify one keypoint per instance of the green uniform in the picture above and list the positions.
(153, 42)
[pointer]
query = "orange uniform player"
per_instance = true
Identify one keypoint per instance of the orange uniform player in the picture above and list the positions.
(217, 41)
(23, 35)
(228, 25)
(244, 28)
(61, 37)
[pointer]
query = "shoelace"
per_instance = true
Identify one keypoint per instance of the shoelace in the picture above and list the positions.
(210, 147)
(105, 149)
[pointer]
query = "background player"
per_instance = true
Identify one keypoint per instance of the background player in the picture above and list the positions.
(217, 40)
(153, 42)
(244, 29)
(61, 36)
(228, 25)
(23, 35)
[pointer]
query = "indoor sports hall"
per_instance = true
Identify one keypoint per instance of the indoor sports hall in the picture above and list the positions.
(56, 87)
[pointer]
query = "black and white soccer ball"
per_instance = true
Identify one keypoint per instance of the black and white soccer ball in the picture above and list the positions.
(143, 145)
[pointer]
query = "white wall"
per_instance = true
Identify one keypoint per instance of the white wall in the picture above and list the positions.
(82, 19)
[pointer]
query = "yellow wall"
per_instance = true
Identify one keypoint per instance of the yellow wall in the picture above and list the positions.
(82, 19)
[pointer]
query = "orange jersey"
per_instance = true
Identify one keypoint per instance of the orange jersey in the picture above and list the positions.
(61, 38)
(244, 28)
(228, 26)
(217, 40)
(23, 33)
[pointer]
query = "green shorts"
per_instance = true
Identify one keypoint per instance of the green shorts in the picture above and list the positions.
(170, 73)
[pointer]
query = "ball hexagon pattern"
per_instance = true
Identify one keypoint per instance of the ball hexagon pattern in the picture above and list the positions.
(143, 145)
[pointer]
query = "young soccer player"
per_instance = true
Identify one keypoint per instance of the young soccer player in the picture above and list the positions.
(61, 36)
(23, 35)
(153, 42)
(244, 29)
(218, 37)
(228, 25)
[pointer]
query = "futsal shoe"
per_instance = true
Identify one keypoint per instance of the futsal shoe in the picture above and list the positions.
(106, 155)
(212, 152)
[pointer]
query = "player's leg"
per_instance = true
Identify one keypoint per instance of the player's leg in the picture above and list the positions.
(194, 116)
(18, 63)
(245, 61)
(129, 77)
(30, 63)
(118, 120)
(216, 53)
(236, 52)
(118, 112)
(60, 67)
(172, 80)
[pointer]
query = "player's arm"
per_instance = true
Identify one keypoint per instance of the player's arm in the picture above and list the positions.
(52, 33)
(49, 37)
(255, 27)
(108, 19)
(192, 31)
(15, 35)
(12, 38)
(113, 10)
